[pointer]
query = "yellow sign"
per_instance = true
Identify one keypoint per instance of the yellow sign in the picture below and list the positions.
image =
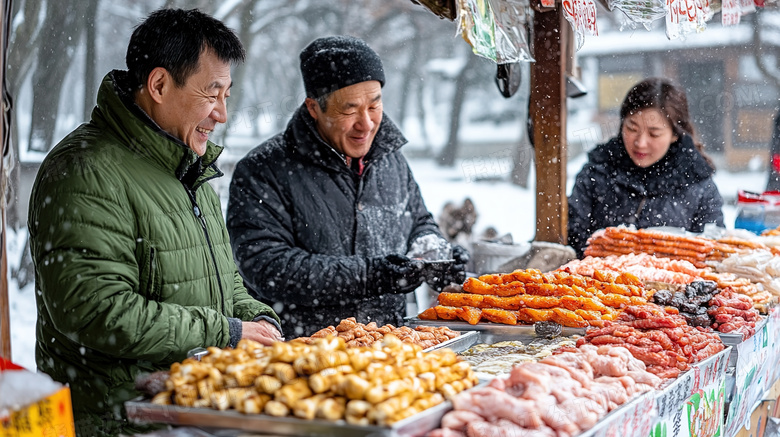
(49, 417)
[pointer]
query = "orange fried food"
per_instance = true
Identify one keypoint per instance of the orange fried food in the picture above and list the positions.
(429, 314)
(568, 318)
(461, 299)
(530, 275)
(614, 300)
(637, 300)
(582, 303)
(625, 290)
(474, 285)
(506, 303)
(565, 278)
(496, 315)
(531, 315)
(628, 279)
(612, 315)
(446, 313)
(601, 276)
(543, 289)
(588, 315)
(470, 315)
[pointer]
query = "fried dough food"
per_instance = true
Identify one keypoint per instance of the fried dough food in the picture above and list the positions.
(376, 385)
(530, 296)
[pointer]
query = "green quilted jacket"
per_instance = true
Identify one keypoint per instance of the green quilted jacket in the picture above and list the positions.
(133, 266)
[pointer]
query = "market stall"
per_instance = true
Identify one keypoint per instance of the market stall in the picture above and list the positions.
(642, 343)
(368, 380)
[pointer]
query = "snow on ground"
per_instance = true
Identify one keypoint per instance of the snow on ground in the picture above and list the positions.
(506, 207)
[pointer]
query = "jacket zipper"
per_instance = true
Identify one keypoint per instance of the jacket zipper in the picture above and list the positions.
(152, 273)
(199, 215)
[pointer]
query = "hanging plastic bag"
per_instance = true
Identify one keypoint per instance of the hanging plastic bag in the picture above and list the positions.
(686, 16)
(581, 14)
(494, 33)
(642, 12)
(511, 30)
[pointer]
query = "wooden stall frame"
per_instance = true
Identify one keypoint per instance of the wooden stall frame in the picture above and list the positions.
(552, 42)
(5, 314)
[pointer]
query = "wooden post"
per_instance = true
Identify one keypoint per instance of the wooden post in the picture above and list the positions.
(5, 316)
(552, 37)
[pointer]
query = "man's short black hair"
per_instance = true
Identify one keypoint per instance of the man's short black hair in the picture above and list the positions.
(174, 39)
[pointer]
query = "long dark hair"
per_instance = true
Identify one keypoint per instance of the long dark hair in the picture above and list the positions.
(670, 99)
(174, 39)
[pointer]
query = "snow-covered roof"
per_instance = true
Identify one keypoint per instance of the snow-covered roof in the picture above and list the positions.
(656, 40)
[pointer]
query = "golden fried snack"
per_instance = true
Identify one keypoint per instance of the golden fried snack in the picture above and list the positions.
(460, 299)
(496, 315)
(573, 303)
(531, 315)
(568, 318)
(474, 285)
(470, 315)
(517, 302)
(292, 392)
(447, 313)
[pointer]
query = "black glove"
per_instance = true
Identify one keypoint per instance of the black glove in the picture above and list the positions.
(393, 274)
(454, 273)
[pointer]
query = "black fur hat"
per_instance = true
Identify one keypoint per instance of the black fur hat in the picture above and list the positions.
(334, 62)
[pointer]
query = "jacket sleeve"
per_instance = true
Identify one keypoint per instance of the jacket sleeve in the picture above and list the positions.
(710, 207)
(581, 220)
(423, 219)
(247, 308)
(261, 234)
(83, 245)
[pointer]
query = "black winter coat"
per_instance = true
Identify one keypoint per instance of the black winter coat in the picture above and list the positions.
(611, 190)
(303, 225)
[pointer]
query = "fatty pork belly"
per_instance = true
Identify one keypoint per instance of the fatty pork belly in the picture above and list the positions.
(559, 396)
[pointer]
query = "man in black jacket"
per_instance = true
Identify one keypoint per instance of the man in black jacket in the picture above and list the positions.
(325, 218)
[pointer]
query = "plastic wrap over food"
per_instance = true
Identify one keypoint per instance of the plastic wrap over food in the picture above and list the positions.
(581, 14)
(495, 29)
(733, 10)
(511, 21)
(686, 16)
(642, 12)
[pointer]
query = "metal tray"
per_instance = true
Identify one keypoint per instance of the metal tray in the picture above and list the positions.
(460, 343)
(489, 330)
(733, 340)
(143, 411)
(618, 415)
(672, 390)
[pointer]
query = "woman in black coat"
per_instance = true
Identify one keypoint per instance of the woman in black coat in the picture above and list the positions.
(653, 173)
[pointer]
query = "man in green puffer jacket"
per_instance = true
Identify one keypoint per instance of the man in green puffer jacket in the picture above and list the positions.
(132, 259)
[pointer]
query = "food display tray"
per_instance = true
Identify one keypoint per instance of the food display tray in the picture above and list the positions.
(675, 391)
(460, 343)
(493, 332)
(619, 418)
(733, 340)
(142, 411)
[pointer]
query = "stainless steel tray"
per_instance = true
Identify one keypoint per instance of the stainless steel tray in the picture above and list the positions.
(676, 391)
(460, 343)
(488, 329)
(140, 411)
(616, 416)
(733, 340)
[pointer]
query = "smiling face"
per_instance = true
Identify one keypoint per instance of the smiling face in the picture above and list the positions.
(647, 136)
(351, 117)
(192, 111)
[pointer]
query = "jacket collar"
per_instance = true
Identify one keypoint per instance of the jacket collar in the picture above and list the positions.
(303, 138)
(139, 133)
(681, 165)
